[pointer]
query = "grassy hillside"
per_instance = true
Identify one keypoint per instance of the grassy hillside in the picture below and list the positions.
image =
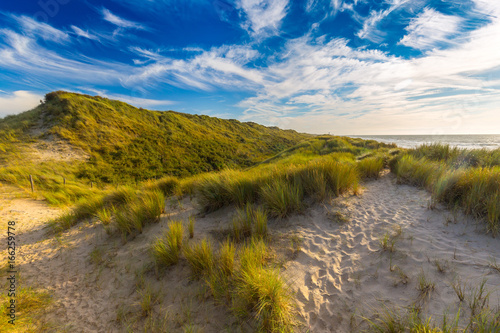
(126, 143)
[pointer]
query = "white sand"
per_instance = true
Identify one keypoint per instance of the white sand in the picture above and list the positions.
(340, 275)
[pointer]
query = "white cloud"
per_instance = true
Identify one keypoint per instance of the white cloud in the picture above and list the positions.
(82, 33)
(120, 22)
(263, 17)
(311, 84)
(429, 29)
(222, 67)
(23, 54)
(370, 29)
(18, 101)
(31, 27)
(330, 87)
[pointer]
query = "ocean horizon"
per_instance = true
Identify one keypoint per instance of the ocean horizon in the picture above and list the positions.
(468, 141)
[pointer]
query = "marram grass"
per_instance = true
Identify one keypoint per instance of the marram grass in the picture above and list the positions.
(370, 167)
(282, 198)
(474, 189)
(200, 257)
(280, 188)
(166, 250)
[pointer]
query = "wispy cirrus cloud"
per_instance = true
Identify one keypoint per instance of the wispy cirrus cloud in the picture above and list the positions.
(323, 84)
(22, 54)
(85, 34)
(429, 29)
(262, 17)
(219, 67)
(120, 22)
(36, 29)
(370, 28)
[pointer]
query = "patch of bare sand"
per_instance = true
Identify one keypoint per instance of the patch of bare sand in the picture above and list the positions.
(51, 148)
(98, 281)
(343, 274)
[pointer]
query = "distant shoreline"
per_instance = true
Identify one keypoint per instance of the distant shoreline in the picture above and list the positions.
(467, 141)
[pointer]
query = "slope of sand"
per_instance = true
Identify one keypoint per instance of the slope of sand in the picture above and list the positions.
(341, 274)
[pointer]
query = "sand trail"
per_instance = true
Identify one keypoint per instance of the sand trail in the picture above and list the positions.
(343, 274)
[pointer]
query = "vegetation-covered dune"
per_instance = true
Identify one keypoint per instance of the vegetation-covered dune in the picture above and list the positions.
(80, 139)
(128, 143)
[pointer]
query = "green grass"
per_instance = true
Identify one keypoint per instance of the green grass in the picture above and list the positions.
(280, 188)
(388, 242)
(131, 209)
(191, 227)
(458, 157)
(242, 223)
(200, 257)
(31, 304)
(281, 198)
(48, 180)
(259, 217)
(480, 318)
(243, 279)
(262, 291)
(105, 215)
(145, 209)
(166, 250)
(167, 185)
(475, 189)
(425, 286)
(370, 167)
(418, 172)
(225, 258)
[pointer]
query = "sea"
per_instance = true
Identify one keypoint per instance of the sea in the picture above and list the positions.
(471, 141)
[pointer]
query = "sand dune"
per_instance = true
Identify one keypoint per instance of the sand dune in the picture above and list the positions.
(341, 274)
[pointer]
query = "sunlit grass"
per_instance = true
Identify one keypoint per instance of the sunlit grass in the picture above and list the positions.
(166, 249)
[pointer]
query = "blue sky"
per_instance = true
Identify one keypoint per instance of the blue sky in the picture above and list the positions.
(317, 66)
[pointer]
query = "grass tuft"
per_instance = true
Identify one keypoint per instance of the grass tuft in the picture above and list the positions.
(200, 257)
(370, 167)
(282, 198)
(166, 249)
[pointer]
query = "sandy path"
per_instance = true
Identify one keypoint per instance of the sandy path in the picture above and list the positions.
(342, 274)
